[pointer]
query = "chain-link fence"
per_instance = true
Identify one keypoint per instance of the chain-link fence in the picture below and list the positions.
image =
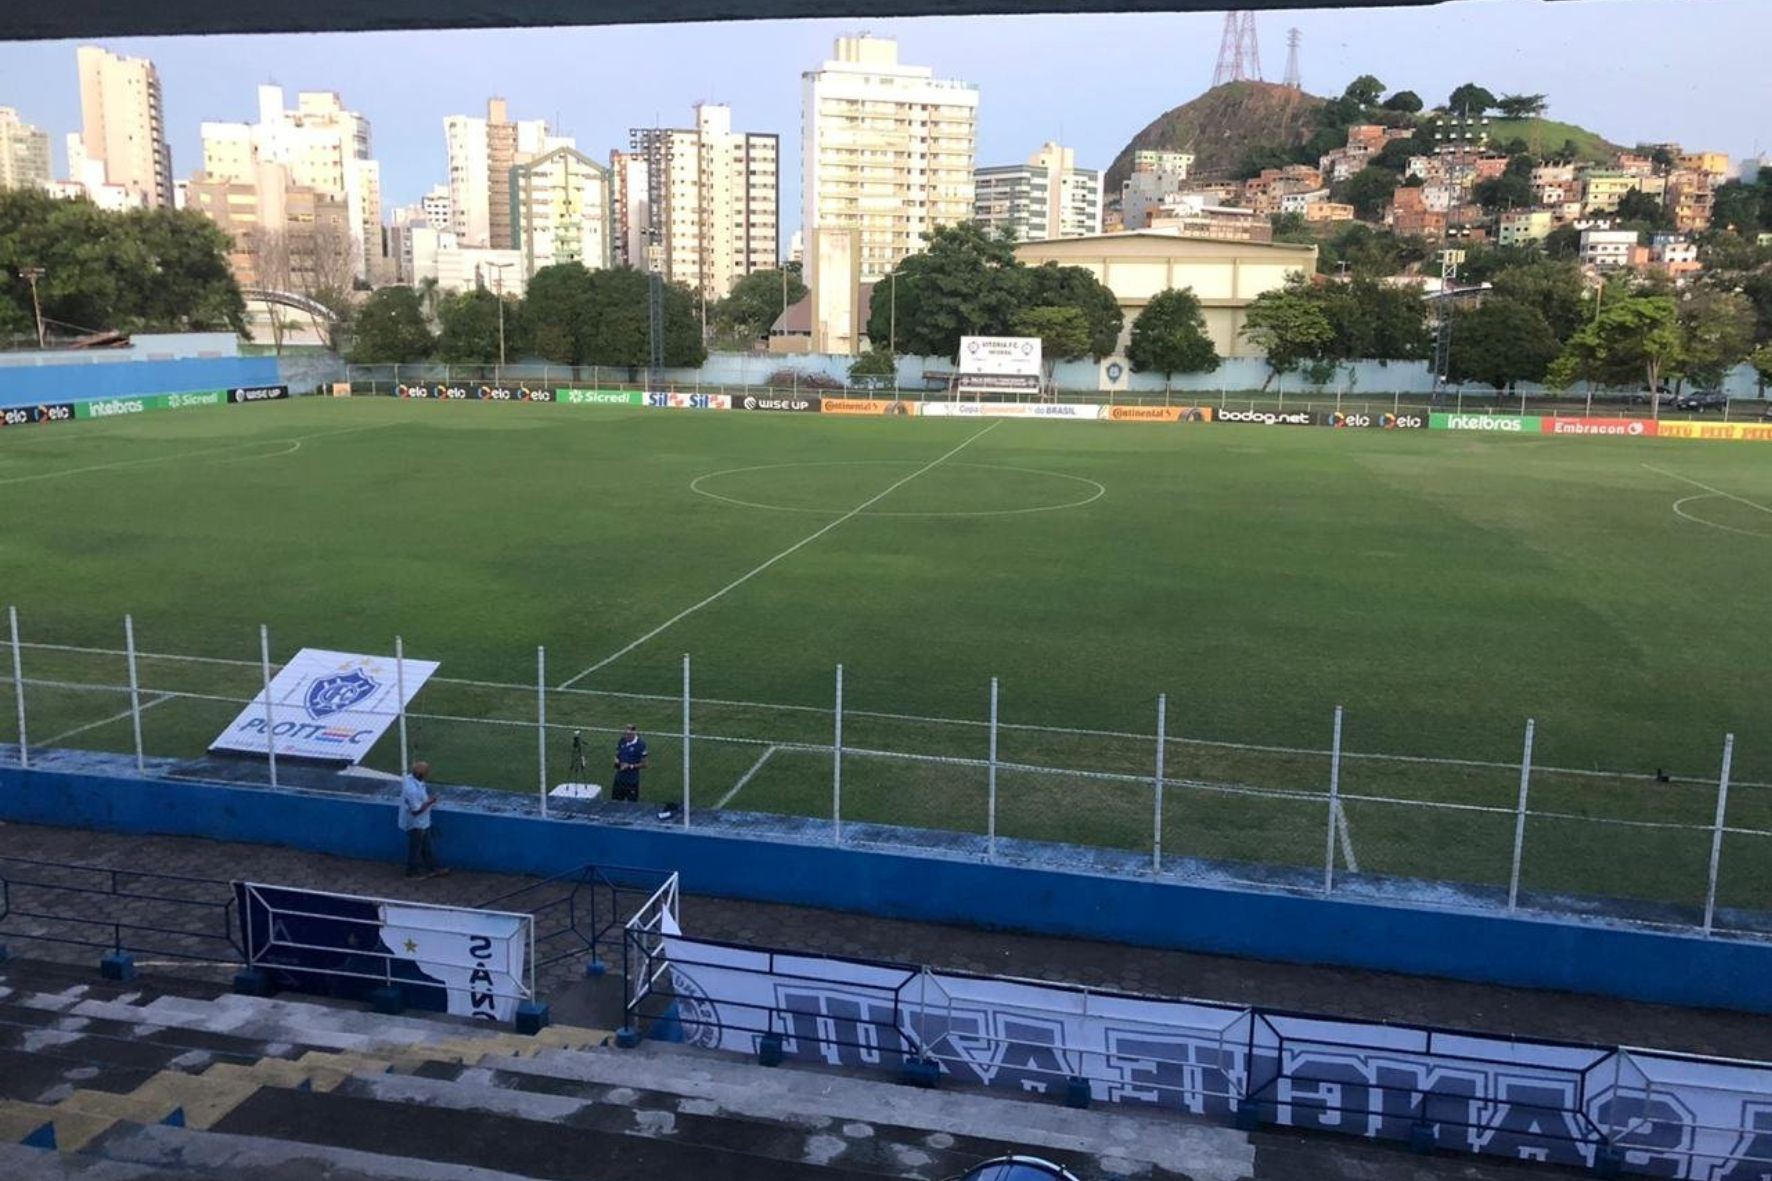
(1514, 835)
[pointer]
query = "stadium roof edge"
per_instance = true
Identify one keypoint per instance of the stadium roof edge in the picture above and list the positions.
(74, 19)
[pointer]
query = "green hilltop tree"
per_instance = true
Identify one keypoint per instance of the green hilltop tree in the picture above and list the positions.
(966, 283)
(1368, 191)
(1470, 99)
(1169, 336)
(754, 302)
(1063, 332)
(1051, 285)
(1289, 327)
(1716, 334)
(1501, 342)
(390, 329)
(1405, 101)
(468, 328)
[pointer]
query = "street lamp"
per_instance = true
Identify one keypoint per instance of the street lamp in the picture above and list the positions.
(31, 275)
(498, 283)
(892, 339)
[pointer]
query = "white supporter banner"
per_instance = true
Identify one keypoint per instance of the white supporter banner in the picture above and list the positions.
(1669, 1115)
(1085, 411)
(999, 364)
(477, 956)
(326, 705)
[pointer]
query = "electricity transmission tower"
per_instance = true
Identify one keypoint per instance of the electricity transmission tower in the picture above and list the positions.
(1293, 81)
(1239, 52)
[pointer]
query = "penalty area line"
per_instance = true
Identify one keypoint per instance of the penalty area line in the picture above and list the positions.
(746, 777)
(792, 549)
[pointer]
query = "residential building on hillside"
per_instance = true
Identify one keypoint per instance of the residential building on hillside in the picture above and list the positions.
(1410, 213)
(1689, 199)
(1518, 227)
(1318, 211)
(560, 209)
(888, 151)
(482, 152)
(1676, 254)
(1154, 160)
(1047, 197)
(1603, 189)
(319, 145)
(1713, 164)
(1299, 202)
(123, 127)
(1225, 223)
(1607, 249)
(713, 199)
(24, 153)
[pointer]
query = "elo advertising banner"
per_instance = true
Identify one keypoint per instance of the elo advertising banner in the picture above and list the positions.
(446, 959)
(1557, 1103)
(1402, 420)
(326, 705)
(42, 412)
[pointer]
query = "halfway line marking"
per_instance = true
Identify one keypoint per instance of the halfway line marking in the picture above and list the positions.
(1347, 844)
(798, 545)
(1707, 488)
(746, 778)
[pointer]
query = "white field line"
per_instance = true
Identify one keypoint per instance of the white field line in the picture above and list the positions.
(746, 778)
(1701, 484)
(123, 463)
(1347, 844)
(798, 545)
(67, 734)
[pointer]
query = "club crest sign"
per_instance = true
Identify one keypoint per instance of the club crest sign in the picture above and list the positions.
(326, 705)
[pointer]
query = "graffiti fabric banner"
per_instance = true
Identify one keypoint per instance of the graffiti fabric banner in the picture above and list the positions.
(446, 959)
(1740, 432)
(326, 705)
(1534, 1101)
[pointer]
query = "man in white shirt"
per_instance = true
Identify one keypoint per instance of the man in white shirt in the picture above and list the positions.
(416, 802)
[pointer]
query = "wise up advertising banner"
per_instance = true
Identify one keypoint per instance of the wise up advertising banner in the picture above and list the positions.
(791, 404)
(445, 959)
(258, 393)
(326, 705)
(1670, 1116)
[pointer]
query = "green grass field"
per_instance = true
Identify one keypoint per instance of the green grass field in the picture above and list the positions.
(1442, 587)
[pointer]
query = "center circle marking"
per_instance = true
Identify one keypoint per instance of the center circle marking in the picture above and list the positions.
(1096, 490)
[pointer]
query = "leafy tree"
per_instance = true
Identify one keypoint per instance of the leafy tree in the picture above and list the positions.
(1503, 192)
(470, 327)
(1169, 336)
(390, 329)
(1761, 360)
(1564, 242)
(1554, 289)
(1063, 332)
(1501, 342)
(1521, 164)
(966, 283)
(1051, 285)
(1394, 155)
(1716, 334)
(574, 316)
(1406, 101)
(872, 366)
(1289, 326)
(755, 301)
(556, 308)
(1364, 90)
(1645, 208)
(1291, 227)
(1368, 191)
(1264, 156)
(1470, 99)
(1740, 207)
(1662, 157)
(1521, 106)
(1633, 339)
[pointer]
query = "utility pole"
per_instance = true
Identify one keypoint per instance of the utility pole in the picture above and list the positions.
(498, 284)
(31, 275)
(892, 340)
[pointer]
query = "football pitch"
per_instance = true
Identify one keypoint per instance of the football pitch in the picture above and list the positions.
(1442, 587)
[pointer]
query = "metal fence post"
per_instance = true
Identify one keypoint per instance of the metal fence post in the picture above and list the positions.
(400, 700)
(990, 839)
(1513, 877)
(264, 663)
(685, 740)
(541, 726)
(135, 691)
(1334, 807)
(837, 765)
(1157, 819)
(1716, 836)
(18, 689)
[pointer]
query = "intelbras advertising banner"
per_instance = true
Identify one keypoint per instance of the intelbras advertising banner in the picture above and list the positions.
(326, 705)
(445, 959)
(1667, 1115)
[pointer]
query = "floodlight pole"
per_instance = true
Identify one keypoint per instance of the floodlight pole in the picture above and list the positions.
(400, 699)
(18, 690)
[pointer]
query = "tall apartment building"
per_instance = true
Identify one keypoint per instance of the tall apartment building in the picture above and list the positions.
(284, 235)
(714, 199)
(319, 146)
(435, 207)
(1048, 197)
(24, 153)
(560, 209)
(630, 202)
(482, 152)
(888, 151)
(122, 125)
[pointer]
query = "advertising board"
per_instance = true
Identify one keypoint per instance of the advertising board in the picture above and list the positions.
(999, 364)
(785, 403)
(1620, 427)
(1495, 424)
(326, 705)
(578, 397)
(1740, 432)
(257, 393)
(1084, 411)
(1403, 420)
(1158, 414)
(1270, 417)
(42, 412)
(866, 406)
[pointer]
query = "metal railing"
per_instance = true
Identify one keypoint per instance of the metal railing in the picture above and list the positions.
(119, 910)
(1514, 835)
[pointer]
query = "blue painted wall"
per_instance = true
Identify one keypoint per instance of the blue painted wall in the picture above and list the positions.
(28, 385)
(102, 793)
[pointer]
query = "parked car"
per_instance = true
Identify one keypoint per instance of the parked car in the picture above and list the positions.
(1664, 396)
(1702, 400)
(1017, 1168)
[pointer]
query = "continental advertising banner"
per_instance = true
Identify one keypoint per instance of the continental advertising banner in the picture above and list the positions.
(1403, 420)
(43, 412)
(866, 406)
(576, 397)
(1158, 414)
(1497, 424)
(1741, 432)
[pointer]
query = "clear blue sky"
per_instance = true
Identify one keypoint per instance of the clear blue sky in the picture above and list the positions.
(1632, 70)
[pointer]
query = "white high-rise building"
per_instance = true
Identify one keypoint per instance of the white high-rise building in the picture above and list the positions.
(320, 146)
(122, 126)
(436, 207)
(630, 200)
(560, 208)
(888, 151)
(714, 199)
(1048, 197)
(24, 153)
(482, 152)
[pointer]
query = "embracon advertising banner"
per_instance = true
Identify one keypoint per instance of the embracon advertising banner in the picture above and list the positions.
(1621, 427)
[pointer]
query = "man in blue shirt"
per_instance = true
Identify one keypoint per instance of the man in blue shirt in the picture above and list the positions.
(416, 802)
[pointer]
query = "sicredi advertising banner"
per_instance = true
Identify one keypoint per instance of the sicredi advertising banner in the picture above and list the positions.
(576, 397)
(141, 403)
(1495, 424)
(1670, 1116)
(445, 959)
(1084, 411)
(326, 705)
(1158, 414)
(1269, 417)
(789, 403)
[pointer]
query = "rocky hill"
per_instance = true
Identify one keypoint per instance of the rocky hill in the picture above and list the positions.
(1222, 126)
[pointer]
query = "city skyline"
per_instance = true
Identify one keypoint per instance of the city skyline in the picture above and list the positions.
(1650, 85)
